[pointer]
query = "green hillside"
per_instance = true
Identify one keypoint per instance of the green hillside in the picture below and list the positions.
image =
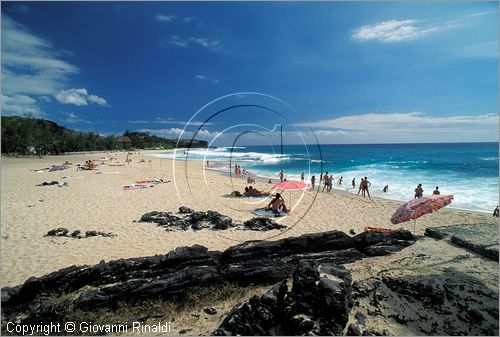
(22, 135)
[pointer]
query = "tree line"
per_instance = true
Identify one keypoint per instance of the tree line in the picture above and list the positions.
(24, 136)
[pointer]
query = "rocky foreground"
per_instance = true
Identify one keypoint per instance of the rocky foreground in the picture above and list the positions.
(310, 291)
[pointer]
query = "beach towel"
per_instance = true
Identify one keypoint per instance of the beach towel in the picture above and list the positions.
(134, 187)
(151, 181)
(378, 229)
(267, 212)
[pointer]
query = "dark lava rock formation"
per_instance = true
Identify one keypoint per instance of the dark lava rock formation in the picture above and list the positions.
(479, 238)
(318, 303)
(206, 220)
(77, 234)
(170, 275)
(449, 304)
(311, 293)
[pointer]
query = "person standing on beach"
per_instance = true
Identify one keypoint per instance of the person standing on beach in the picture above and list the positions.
(325, 181)
(340, 180)
(330, 183)
(282, 176)
(496, 212)
(419, 192)
(361, 186)
(313, 180)
(436, 191)
(353, 183)
(302, 176)
(366, 184)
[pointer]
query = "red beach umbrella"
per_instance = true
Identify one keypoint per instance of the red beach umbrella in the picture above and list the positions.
(291, 185)
(417, 207)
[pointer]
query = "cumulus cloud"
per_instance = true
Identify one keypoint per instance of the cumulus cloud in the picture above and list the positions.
(33, 71)
(201, 77)
(203, 134)
(79, 97)
(21, 105)
(392, 31)
(188, 19)
(165, 18)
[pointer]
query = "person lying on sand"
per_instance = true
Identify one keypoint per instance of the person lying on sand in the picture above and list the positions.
(255, 192)
(278, 204)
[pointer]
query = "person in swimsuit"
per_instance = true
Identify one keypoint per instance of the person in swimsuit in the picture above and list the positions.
(313, 181)
(325, 181)
(361, 184)
(302, 177)
(365, 187)
(353, 183)
(282, 176)
(419, 192)
(255, 192)
(436, 191)
(386, 187)
(277, 204)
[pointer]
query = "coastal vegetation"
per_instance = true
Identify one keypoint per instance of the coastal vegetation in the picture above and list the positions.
(25, 136)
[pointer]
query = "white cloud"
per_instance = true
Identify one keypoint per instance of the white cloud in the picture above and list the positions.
(405, 128)
(407, 122)
(201, 77)
(188, 19)
(169, 121)
(202, 134)
(483, 13)
(165, 18)
(97, 100)
(30, 65)
(206, 43)
(72, 118)
(21, 105)
(79, 97)
(392, 31)
(177, 41)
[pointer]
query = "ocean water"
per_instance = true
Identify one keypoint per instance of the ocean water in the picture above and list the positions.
(469, 171)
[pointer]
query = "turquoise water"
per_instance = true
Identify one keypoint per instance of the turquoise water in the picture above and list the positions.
(469, 171)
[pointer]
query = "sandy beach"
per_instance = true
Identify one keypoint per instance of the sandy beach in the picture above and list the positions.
(95, 200)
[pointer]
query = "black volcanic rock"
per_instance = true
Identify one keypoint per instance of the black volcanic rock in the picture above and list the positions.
(185, 210)
(262, 224)
(382, 243)
(316, 305)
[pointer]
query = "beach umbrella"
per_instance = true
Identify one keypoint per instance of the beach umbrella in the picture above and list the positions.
(291, 185)
(417, 207)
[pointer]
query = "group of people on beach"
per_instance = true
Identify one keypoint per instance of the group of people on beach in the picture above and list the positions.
(419, 191)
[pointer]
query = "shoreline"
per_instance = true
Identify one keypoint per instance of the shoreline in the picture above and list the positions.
(224, 171)
(96, 201)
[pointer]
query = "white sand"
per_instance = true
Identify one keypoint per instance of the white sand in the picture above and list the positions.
(98, 202)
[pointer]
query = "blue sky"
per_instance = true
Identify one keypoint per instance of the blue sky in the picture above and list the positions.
(351, 72)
